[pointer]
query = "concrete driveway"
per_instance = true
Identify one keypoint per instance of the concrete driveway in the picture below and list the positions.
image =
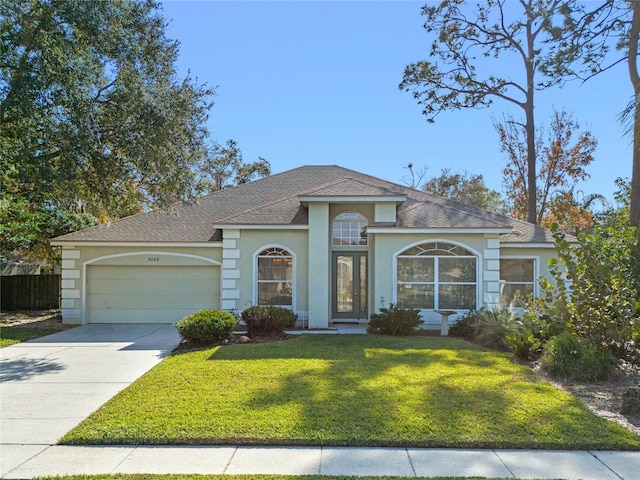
(50, 384)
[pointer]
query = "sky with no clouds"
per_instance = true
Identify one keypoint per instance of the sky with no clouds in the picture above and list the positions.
(316, 83)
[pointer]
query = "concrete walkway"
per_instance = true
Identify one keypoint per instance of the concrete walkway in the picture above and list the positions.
(51, 384)
(409, 462)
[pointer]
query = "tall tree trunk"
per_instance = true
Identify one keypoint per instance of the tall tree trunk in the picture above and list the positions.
(532, 189)
(634, 36)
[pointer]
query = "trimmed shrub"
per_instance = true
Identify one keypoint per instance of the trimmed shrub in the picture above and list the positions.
(571, 357)
(262, 320)
(394, 321)
(206, 326)
(465, 327)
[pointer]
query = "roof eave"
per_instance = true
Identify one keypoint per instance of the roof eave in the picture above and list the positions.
(492, 230)
(397, 199)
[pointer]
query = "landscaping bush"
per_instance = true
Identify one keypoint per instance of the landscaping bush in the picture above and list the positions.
(465, 327)
(262, 320)
(206, 326)
(394, 321)
(494, 326)
(570, 357)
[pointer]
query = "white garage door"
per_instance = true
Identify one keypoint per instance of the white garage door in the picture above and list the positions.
(137, 294)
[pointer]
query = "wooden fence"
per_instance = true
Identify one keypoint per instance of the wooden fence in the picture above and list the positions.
(30, 292)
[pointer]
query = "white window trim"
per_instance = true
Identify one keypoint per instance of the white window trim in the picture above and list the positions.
(536, 271)
(256, 255)
(360, 246)
(475, 254)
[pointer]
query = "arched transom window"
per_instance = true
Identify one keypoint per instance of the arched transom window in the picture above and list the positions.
(275, 277)
(349, 228)
(437, 275)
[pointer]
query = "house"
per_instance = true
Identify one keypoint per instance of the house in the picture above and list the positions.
(330, 243)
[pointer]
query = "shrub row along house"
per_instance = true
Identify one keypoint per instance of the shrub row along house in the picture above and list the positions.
(332, 244)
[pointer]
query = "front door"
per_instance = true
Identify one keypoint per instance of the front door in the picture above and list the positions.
(349, 292)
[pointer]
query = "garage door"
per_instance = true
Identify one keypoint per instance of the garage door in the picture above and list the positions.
(137, 294)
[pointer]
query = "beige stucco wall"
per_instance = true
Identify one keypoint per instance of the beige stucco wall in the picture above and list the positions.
(252, 242)
(75, 260)
(311, 249)
(487, 247)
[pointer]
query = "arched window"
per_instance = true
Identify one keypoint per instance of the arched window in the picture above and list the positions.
(349, 228)
(437, 275)
(275, 277)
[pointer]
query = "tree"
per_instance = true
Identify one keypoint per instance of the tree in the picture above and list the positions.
(465, 187)
(514, 35)
(224, 166)
(94, 122)
(631, 45)
(593, 35)
(563, 155)
(93, 118)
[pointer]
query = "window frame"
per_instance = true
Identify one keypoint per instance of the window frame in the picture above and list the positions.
(534, 282)
(357, 216)
(256, 274)
(436, 283)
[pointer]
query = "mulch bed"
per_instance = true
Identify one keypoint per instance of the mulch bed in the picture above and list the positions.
(43, 319)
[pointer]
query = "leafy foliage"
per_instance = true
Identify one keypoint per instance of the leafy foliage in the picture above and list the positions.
(596, 285)
(206, 326)
(26, 230)
(222, 167)
(465, 187)
(465, 327)
(563, 153)
(268, 319)
(394, 320)
(494, 326)
(570, 357)
(93, 119)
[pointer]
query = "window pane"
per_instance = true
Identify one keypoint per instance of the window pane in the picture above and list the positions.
(452, 269)
(274, 293)
(457, 297)
(415, 269)
(363, 284)
(349, 228)
(509, 290)
(274, 268)
(344, 284)
(415, 296)
(516, 269)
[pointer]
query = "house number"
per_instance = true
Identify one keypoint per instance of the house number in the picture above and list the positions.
(153, 259)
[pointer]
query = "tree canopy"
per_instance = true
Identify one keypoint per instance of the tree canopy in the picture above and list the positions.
(94, 119)
(525, 46)
(93, 116)
(465, 187)
(564, 152)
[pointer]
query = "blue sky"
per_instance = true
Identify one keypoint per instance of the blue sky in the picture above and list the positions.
(316, 82)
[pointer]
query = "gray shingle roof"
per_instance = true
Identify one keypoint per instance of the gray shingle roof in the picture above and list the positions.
(275, 200)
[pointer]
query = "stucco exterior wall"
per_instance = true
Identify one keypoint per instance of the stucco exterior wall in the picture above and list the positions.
(76, 259)
(251, 243)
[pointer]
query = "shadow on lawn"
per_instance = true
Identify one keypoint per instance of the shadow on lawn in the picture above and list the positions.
(402, 392)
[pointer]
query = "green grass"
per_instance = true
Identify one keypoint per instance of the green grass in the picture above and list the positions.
(12, 335)
(349, 390)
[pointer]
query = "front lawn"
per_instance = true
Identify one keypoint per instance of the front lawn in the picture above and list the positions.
(349, 390)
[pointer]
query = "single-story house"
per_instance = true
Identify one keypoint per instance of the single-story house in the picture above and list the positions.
(332, 244)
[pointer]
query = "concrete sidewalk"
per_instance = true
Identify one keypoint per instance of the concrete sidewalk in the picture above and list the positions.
(406, 462)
